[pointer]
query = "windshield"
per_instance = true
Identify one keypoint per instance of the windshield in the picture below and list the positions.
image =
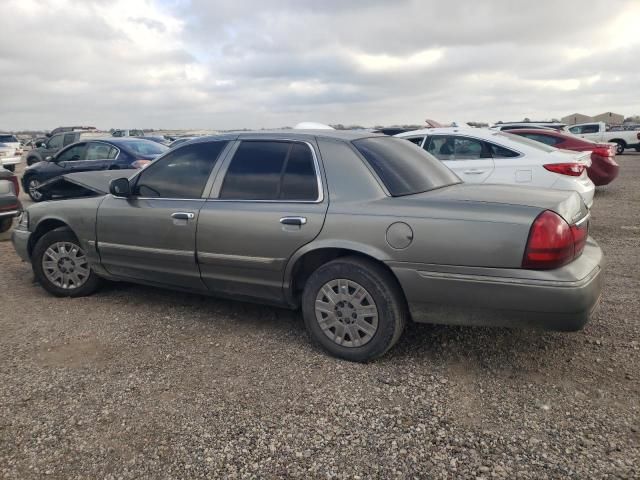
(8, 139)
(526, 141)
(403, 167)
(145, 147)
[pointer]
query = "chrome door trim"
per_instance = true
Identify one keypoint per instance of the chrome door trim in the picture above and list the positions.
(153, 251)
(217, 258)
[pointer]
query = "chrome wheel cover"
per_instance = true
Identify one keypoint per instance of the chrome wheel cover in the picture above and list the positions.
(346, 313)
(33, 189)
(65, 265)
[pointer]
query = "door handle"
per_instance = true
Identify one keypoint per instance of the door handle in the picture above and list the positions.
(183, 215)
(474, 172)
(293, 221)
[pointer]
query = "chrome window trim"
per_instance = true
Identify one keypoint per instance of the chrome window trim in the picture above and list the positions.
(316, 166)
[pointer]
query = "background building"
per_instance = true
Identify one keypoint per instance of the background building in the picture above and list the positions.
(606, 117)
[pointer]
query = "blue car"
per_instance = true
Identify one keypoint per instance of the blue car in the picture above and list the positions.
(96, 154)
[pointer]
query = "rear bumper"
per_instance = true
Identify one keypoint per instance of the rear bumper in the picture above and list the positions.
(601, 172)
(10, 160)
(562, 299)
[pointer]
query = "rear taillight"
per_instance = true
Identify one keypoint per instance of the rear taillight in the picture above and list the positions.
(553, 243)
(571, 169)
(604, 150)
(16, 185)
(141, 163)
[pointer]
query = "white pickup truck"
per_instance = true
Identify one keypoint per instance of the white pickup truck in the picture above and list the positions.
(599, 132)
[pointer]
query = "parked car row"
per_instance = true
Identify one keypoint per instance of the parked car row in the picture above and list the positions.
(9, 204)
(363, 232)
(107, 153)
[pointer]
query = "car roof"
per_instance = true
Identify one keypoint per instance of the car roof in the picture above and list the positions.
(483, 133)
(345, 135)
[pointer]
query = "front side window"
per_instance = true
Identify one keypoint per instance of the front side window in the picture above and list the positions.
(55, 142)
(182, 173)
(271, 170)
(590, 129)
(98, 151)
(75, 152)
(402, 167)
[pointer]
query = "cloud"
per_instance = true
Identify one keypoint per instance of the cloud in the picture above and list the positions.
(218, 64)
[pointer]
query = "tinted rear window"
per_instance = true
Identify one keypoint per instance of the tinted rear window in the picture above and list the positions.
(8, 139)
(403, 167)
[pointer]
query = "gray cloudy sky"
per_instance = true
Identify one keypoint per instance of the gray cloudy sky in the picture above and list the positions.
(232, 64)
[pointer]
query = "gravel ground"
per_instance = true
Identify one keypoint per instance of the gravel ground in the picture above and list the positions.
(136, 382)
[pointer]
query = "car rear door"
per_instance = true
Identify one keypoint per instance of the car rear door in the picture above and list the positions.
(468, 157)
(266, 203)
(151, 235)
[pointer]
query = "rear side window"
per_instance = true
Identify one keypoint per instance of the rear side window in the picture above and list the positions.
(69, 138)
(98, 151)
(271, 170)
(404, 168)
(182, 173)
(539, 137)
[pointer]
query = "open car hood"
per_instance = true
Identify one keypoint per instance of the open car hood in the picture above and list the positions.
(83, 183)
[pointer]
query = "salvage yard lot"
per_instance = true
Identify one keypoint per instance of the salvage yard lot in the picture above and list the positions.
(139, 382)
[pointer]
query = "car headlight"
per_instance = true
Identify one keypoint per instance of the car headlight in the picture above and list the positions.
(23, 220)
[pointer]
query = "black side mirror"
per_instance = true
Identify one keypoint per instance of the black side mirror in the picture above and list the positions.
(120, 187)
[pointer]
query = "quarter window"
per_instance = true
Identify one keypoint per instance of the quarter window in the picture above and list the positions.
(501, 152)
(416, 140)
(182, 173)
(271, 170)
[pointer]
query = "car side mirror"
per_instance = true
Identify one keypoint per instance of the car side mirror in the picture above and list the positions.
(48, 158)
(120, 187)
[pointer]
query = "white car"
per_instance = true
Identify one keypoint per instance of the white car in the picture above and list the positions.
(599, 132)
(10, 151)
(479, 155)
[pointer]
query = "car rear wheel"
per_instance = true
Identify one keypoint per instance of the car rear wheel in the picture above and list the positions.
(32, 160)
(354, 309)
(61, 265)
(620, 146)
(32, 190)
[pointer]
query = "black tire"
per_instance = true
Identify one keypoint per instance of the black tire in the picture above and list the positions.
(27, 186)
(31, 160)
(11, 168)
(62, 234)
(620, 146)
(5, 224)
(387, 296)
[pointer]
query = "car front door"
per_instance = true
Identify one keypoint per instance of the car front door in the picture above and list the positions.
(468, 157)
(266, 203)
(151, 235)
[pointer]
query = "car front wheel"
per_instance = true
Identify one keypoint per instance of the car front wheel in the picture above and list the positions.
(61, 265)
(354, 309)
(620, 146)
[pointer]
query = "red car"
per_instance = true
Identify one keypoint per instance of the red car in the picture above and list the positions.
(603, 167)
